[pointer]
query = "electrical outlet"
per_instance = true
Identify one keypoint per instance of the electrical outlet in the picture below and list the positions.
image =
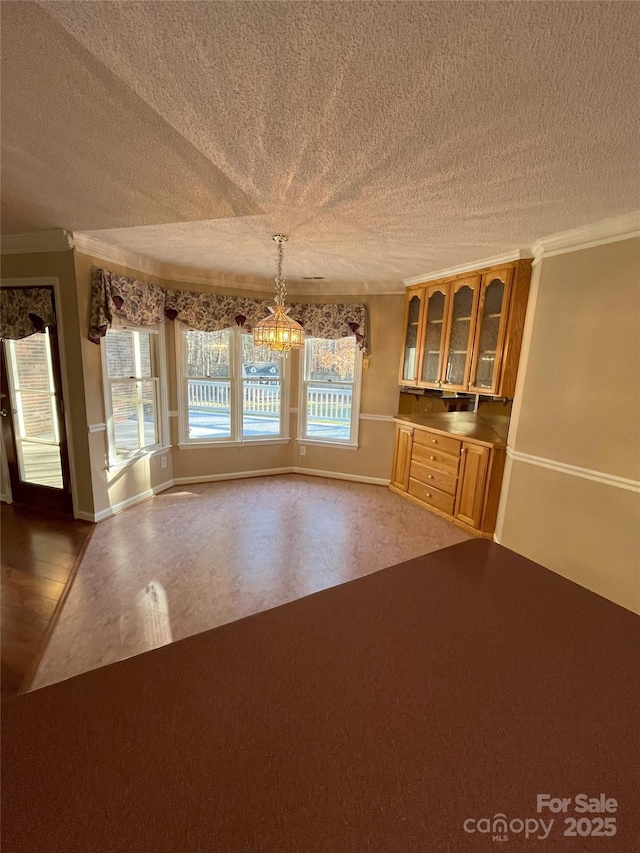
(163, 462)
(303, 450)
(365, 363)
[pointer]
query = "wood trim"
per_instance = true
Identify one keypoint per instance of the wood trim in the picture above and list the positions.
(44, 640)
(515, 329)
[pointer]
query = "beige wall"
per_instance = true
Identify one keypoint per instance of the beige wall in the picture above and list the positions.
(379, 397)
(578, 404)
(61, 266)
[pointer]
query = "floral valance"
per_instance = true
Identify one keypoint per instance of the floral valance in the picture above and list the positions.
(24, 311)
(116, 297)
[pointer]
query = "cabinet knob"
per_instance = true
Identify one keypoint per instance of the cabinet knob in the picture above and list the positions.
(434, 441)
(431, 476)
(428, 494)
(432, 457)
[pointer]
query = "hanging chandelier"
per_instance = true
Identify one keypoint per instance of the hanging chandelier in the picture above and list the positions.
(278, 331)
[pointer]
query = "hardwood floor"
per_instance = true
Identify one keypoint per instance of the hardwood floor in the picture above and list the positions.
(40, 554)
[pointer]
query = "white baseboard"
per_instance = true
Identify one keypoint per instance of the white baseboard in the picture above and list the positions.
(84, 516)
(214, 478)
(119, 507)
(334, 475)
(237, 475)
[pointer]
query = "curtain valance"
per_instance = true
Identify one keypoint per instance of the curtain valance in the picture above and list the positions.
(119, 297)
(24, 311)
(116, 297)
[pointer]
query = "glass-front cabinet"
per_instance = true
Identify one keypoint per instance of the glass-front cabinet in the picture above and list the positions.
(463, 333)
(490, 332)
(412, 332)
(460, 328)
(436, 305)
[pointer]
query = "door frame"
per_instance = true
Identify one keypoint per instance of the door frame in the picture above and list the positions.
(54, 282)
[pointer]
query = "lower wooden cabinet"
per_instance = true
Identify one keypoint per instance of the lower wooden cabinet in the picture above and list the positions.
(454, 476)
(471, 484)
(402, 457)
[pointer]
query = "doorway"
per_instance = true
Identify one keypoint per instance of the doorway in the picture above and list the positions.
(32, 418)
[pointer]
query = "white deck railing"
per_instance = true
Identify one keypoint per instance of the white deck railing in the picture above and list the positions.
(264, 399)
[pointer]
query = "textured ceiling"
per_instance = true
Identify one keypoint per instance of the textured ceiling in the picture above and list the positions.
(387, 139)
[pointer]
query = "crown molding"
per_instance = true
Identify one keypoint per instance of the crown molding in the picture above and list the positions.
(472, 266)
(88, 245)
(607, 231)
(57, 240)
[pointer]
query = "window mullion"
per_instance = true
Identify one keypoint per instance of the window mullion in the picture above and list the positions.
(237, 385)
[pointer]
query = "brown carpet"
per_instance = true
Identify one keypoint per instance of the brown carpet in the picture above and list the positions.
(379, 715)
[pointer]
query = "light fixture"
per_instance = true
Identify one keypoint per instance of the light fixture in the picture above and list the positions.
(278, 331)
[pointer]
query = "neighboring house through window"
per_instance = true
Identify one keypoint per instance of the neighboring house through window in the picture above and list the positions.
(135, 392)
(330, 391)
(230, 391)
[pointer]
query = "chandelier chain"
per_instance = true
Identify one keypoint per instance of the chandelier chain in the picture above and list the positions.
(281, 291)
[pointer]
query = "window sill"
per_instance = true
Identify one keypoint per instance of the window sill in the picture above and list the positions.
(139, 457)
(208, 445)
(328, 443)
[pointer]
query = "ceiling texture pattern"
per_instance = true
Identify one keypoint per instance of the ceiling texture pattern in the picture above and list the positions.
(388, 140)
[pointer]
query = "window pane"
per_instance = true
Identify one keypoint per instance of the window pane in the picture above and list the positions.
(147, 391)
(258, 361)
(125, 416)
(261, 407)
(209, 408)
(208, 354)
(144, 339)
(31, 363)
(331, 361)
(329, 410)
(120, 360)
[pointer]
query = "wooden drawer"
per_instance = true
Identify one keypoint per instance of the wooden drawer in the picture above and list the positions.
(432, 477)
(435, 458)
(431, 496)
(444, 443)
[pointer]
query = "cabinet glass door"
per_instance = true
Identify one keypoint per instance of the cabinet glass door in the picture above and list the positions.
(434, 335)
(460, 338)
(409, 369)
(493, 304)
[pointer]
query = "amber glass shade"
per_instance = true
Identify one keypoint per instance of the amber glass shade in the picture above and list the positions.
(278, 331)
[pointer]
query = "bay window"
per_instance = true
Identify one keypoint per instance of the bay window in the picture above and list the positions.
(330, 391)
(230, 391)
(135, 405)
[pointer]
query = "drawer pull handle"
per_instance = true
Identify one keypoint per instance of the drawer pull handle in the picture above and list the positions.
(428, 494)
(434, 441)
(431, 476)
(432, 457)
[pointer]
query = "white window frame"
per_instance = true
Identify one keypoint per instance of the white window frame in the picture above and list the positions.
(117, 459)
(352, 442)
(236, 439)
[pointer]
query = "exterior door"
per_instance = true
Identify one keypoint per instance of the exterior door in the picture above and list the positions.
(32, 418)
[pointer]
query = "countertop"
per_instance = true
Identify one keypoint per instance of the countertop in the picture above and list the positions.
(490, 430)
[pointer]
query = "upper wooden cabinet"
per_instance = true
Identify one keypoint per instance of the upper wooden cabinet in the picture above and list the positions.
(413, 322)
(464, 333)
